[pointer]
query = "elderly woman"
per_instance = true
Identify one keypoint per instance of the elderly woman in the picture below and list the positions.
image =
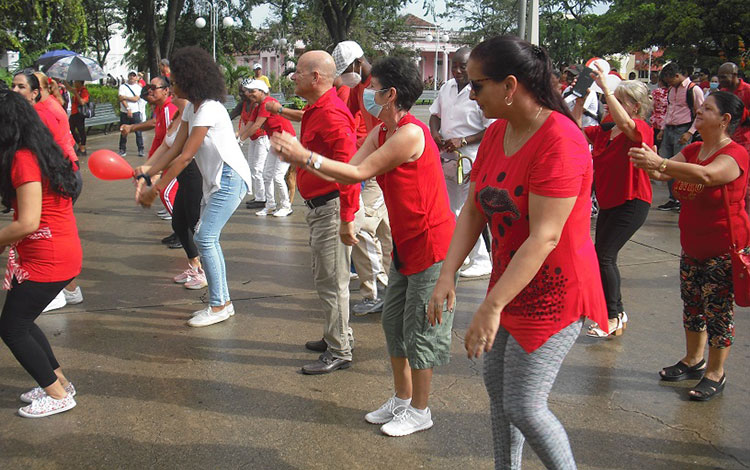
(702, 173)
(206, 135)
(405, 160)
(37, 183)
(532, 183)
(623, 192)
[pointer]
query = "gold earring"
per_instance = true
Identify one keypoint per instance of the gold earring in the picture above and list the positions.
(506, 101)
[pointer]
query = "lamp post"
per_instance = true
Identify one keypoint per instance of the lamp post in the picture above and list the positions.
(228, 22)
(650, 51)
(437, 39)
(279, 44)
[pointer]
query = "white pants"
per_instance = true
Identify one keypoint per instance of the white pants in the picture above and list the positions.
(257, 153)
(457, 193)
(274, 172)
(372, 255)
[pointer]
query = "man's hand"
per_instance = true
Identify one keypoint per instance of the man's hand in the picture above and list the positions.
(347, 233)
(451, 145)
(438, 140)
(273, 107)
(125, 129)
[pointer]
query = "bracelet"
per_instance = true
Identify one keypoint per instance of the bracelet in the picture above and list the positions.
(309, 160)
(663, 165)
(610, 93)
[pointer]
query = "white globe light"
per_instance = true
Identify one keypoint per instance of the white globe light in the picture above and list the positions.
(282, 41)
(200, 22)
(428, 38)
(275, 42)
(446, 38)
(227, 22)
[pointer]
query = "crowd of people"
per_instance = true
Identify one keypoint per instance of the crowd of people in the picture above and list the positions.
(499, 183)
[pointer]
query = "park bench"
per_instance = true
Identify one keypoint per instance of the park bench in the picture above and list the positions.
(104, 116)
(427, 97)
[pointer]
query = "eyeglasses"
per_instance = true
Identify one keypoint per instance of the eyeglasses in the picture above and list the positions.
(475, 84)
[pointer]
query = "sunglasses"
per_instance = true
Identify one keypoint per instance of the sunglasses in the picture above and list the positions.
(475, 84)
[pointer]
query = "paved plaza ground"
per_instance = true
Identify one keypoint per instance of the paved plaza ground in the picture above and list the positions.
(155, 393)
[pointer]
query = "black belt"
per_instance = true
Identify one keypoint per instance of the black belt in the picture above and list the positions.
(321, 200)
(673, 126)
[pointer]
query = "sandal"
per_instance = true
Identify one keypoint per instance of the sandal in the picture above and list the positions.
(682, 371)
(595, 331)
(708, 388)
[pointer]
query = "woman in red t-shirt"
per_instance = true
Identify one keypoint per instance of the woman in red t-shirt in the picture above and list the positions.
(44, 248)
(406, 161)
(531, 182)
(257, 147)
(623, 191)
(703, 171)
(79, 95)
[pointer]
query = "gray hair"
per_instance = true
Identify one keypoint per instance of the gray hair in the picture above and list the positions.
(636, 92)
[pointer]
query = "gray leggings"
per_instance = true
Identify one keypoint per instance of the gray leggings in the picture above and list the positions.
(518, 384)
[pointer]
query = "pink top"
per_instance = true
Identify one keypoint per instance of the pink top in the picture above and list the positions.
(677, 111)
(554, 162)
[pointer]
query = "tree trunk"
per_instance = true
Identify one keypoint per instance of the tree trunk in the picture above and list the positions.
(153, 54)
(173, 13)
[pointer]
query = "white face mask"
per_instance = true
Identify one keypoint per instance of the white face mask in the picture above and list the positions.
(351, 79)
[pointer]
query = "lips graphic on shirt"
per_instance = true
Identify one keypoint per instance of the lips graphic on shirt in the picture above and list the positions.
(498, 201)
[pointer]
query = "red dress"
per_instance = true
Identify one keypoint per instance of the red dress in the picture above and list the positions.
(52, 253)
(616, 180)
(703, 219)
(422, 223)
(554, 162)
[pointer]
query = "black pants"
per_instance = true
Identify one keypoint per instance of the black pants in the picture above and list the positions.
(23, 304)
(187, 207)
(614, 227)
(78, 128)
(134, 119)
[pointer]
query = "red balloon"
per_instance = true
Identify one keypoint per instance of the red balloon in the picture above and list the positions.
(108, 165)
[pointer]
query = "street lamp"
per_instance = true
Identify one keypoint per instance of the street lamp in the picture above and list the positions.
(227, 22)
(650, 51)
(279, 44)
(437, 39)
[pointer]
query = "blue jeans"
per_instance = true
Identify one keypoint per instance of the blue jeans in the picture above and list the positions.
(215, 213)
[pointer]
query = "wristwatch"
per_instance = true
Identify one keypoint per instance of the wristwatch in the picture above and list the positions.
(317, 161)
(463, 142)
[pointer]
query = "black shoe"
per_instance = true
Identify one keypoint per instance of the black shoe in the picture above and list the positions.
(317, 346)
(140, 153)
(175, 245)
(170, 239)
(326, 363)
(669, 206)
(255, 204)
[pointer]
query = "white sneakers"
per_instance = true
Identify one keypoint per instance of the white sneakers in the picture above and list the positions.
(477, 270)
(283, 212)
(38, 392)
(58, 302)
(73, 297)
(208, 317)
(46, 406)
(399, 418)
(265, 211)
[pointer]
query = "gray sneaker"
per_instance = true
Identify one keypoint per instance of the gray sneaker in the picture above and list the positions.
(367, 306)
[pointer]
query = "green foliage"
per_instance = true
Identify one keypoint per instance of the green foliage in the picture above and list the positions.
(103, 94)
(295, 102)
(6, 77)
(30, 25)
(484, 18)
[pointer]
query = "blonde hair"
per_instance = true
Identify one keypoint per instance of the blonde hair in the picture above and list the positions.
(636, 92)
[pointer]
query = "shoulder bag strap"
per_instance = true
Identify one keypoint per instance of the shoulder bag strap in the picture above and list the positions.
(729, 217)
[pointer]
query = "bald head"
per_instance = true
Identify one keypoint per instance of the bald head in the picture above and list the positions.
(320, 62)
(458, 66)
(728, 77)
(462, 54)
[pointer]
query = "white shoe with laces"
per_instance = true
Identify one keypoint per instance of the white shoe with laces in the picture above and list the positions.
(38, 392)
(46, 406)
(208, 317)
(283, 212)
(265, 211)
(407, 420)
(475, 270)
(73, 297)
(385, 413)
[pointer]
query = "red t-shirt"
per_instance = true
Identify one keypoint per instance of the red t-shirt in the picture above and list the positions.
(328, 129)
(163, 115)
(83, 93)
(367, 121)
(616, 180)
(55, 118)
(274, 123)
(742, 134)
(703, 219)
(554, 162)
(343, 93)
(252, 117)
(53, 252)
(422, 222)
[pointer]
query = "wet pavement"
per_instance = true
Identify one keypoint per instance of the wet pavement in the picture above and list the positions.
(155, 393)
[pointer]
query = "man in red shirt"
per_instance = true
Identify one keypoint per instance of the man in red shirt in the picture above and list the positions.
(164, 111)
(372, 254)
(328, 129)
(730, 81)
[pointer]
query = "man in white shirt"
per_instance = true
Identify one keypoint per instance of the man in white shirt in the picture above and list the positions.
(130, 111)
(457, 126)
(590, 105)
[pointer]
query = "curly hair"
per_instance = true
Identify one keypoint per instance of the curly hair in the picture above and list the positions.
(21, 128)
(197, 75)
(401, 74)
(501, 56)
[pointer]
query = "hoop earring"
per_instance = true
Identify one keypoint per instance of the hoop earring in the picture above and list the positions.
(506, 101)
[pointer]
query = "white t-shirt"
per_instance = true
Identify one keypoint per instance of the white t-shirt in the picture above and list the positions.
(134, 106)
(220, 145)
(590, 104)
(459, 116)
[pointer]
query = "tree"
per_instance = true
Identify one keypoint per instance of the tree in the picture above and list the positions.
(29, 26)
(102, 17)
(484, 18)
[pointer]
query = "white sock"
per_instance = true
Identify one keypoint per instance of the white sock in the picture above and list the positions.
(401, 402)
(417, 410)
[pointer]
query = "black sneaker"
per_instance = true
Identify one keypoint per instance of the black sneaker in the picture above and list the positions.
(170, 239)
(669, 206)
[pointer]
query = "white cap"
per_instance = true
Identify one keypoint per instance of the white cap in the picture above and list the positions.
(344, 54)
(257, 66)
(255, 85)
